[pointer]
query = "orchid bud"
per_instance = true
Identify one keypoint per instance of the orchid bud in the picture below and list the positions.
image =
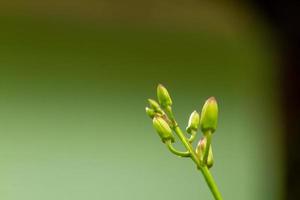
(163, 96)
(150, 112)
(209, 115)
(163, 129)
(194, 121)
(155, 106)
(200, 149)
(210, 158)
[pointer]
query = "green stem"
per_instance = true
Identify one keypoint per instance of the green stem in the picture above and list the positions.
(205, 171)
(211, 183)
(170, 114)
(193, 136)
(176, 152)
(203, 168)
(208, 142)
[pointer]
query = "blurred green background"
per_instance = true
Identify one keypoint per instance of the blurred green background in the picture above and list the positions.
(74, 79)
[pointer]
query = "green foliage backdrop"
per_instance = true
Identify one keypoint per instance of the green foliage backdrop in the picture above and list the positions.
(72, 121)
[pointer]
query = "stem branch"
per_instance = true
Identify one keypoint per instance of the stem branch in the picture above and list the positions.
(192, 137)
(176, 152)
(205, 171)
(208, 142)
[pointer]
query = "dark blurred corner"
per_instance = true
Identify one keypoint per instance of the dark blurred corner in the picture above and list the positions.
(284, 17)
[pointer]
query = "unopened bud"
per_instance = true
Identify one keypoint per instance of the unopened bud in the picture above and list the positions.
(193, 122)
(209, 115)
(200, 149)
(210, 158)
(155, 106)
(163, 129)
(150, 112)
(163, 96)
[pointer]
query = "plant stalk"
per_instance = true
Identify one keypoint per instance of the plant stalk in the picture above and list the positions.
(207, 147)
(203, 168)
(174, 151)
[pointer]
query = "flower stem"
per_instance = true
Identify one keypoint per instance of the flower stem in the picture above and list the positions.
(192, 137)
(208, 142)
(176, 152)
(211, 183)
(203, 168)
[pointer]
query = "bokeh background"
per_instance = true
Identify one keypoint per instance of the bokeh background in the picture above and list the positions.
(75, 77)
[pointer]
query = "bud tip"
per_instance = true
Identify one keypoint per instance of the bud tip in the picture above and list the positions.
(210, 99)
(209, 115)
(163, 96)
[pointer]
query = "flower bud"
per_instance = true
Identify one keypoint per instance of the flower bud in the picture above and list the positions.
(210, 159)
(193, 122)
(150, 112)
(155, 106)
(163, 129)
(209, 115)
(200, 149)
(163, 96)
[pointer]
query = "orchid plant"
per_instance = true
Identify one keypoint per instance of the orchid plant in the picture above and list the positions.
(165, 124)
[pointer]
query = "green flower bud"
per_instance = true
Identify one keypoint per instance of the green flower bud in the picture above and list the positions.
(209, 115)
(200, 152)
(155, 106)
(201, 147)
(163, 129)
(193, 122)
(163, 96)
(210, 159)
(150, 112)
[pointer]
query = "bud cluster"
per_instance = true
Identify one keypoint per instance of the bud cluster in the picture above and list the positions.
(161, 122)
(164, 123)
(206, 121)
